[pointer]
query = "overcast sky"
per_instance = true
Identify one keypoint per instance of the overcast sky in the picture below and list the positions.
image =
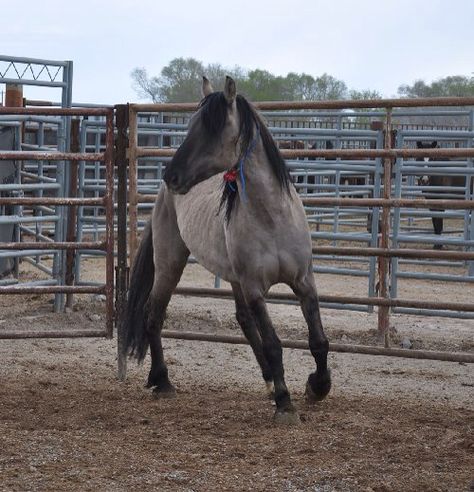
(370, 44)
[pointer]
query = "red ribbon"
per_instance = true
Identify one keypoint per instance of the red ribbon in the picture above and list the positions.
(230, 176)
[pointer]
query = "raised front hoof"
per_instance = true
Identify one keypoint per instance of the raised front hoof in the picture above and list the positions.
(167, 392)
(286, 417)
(318, 386)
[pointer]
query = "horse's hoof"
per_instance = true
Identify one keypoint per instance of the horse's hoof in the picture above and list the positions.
(318, 387)
(164, 393)
(286, 417)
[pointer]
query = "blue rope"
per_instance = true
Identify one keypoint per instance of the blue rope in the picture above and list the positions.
(247, 154)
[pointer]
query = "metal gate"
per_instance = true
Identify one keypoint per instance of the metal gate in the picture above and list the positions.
(65, 159)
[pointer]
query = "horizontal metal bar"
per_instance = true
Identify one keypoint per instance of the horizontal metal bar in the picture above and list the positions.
(51, 245)
(40, 102)
(27, 219)
(340, 104)
(21, 155)
(41, 83)
(20, 254)
(371, 301)
(398, 253)
(391, 203)
(338, 153)
(57, 111)
(10, 335)
(49, 120)
(54, 289)
(433, 312)
(368, 202)
(333, 347)
(29, 187)
(32, 201)
(32, 61)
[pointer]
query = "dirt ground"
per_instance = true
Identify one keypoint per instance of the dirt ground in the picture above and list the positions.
(389, 424)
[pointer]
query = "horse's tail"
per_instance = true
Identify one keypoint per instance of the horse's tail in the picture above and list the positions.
(141, 283)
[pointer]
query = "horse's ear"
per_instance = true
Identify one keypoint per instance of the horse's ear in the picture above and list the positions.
(206, 87)
(419, 145)
(230, 90)
(434, 144)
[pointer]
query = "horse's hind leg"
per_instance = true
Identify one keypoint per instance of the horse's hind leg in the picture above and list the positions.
(156, 309)
(170, 257)
(319, 382)
(250, 330)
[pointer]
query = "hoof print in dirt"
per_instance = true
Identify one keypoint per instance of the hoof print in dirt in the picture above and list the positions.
(164, 394)
(286, 418)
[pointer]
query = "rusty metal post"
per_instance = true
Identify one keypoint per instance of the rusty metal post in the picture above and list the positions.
(132, 182)
(109, 222)
(121, 119)
(72, 211)
(14, 96)
(14, 99)
(384, 262)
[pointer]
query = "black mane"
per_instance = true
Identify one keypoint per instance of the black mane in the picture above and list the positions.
(213, 117)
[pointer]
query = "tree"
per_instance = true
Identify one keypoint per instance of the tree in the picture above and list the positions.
(180, 81)
(146, 88)
(260, 85)
(364, 94)
(452, 86)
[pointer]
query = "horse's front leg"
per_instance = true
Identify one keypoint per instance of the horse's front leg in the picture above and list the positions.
(319, 382)
(285, 411)
(247, 323)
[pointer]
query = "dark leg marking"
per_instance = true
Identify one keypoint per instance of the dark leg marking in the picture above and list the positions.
(319, 382)
(158, 375)
(285, 411)
(249, 328)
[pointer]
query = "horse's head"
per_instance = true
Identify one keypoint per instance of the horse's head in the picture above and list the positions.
(425, 180)
(214, 142)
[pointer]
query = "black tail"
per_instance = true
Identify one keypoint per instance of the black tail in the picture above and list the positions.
(141, 283)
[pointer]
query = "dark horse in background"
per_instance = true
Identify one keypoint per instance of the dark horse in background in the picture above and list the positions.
(446, 182)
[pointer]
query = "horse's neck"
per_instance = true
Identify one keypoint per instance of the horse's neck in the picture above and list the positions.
(261, 184)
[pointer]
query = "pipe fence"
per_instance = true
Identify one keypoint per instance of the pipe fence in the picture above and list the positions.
(383, 207)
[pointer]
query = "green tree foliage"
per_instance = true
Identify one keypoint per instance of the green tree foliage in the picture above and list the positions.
(364, 94)
(453, 86)
(180, 81)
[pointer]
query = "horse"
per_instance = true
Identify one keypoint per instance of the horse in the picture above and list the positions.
(228, 199)
(439, 181)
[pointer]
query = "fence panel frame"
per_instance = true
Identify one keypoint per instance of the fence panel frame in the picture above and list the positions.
(107, 202)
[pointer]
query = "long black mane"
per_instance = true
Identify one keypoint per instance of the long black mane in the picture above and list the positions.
(213, 117)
